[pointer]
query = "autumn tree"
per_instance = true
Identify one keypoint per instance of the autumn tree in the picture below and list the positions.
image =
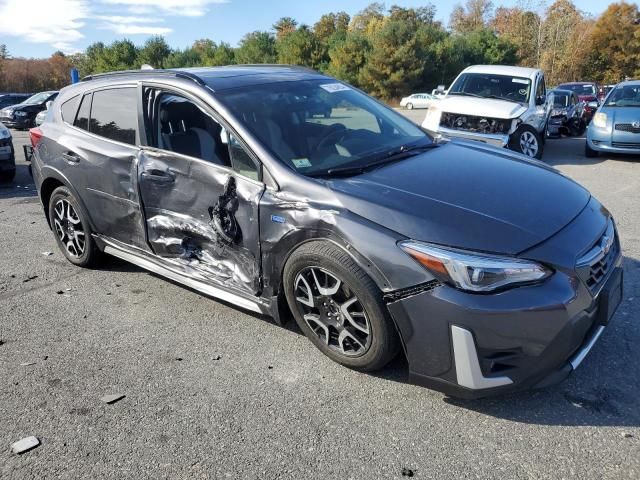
(615, 44)
(331, 24)
(474, 15)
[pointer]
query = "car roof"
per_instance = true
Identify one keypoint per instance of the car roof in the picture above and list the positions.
(503, 70)
(562, 91)
(221, 78)
(578, 83)
(628, 83)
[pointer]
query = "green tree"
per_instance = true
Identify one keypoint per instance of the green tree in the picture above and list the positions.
(301, 47)
(348, 57)
(224, 55)
(257, 47)
(120, 55)
(331, 24)
(284, 26)
(154, 52)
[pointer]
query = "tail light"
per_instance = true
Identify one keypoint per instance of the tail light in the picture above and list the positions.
(35, 134)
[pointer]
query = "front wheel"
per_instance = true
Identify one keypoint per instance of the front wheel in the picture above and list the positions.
(589, 152)
(409, 106)
(339, 308)
(526, 140)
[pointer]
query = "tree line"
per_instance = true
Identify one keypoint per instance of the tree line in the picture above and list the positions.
(386, 52)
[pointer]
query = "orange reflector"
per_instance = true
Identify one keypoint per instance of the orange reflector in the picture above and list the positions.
(432, 263)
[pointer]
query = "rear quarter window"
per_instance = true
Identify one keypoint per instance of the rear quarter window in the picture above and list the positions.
(69, 108)
(114, 114)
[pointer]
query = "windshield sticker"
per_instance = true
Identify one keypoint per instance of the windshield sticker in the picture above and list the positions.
(334, 87)
(522, 91)
(520, 80)
(301, 162)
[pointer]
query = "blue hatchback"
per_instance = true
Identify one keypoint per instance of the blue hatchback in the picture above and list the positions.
(616, 125)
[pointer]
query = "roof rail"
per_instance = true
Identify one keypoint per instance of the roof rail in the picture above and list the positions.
(281, 65)
(149, 72)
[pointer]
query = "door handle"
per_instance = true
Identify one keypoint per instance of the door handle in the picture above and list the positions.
(71, 157)
(160, 176)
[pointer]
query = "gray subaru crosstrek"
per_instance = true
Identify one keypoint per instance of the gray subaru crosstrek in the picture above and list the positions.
(489, 271)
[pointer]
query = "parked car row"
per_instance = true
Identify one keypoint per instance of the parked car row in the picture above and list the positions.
(23, 114)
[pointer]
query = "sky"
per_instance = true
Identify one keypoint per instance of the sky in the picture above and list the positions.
(37, 28)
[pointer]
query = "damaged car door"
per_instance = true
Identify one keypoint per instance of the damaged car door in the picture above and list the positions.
(200, 189)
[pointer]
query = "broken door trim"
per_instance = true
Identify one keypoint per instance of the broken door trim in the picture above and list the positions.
(143, 261)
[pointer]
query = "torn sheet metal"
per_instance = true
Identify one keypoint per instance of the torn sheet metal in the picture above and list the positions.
(204, 220)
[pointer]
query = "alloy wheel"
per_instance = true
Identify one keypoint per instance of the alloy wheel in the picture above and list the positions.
(69, 228)
(332, 311)
(528, 144)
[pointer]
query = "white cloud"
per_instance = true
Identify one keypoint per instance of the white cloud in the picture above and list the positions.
(133, 29)
(185, 8)
(54, 22)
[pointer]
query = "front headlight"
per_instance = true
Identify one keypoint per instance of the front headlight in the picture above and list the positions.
(7, 111)
(20, 113)
(474, 272)
(5, 133)
(600, 120)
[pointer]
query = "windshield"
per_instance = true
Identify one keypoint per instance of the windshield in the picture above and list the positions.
(580, 89)
(560, 100)
(37, 99)
(315, 126)
(624, 96)
(503, 87)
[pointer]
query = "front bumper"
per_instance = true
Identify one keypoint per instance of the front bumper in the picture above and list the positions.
(7, 155)
(474, 345)
(16, 122)
(627, 148)
(496, 140)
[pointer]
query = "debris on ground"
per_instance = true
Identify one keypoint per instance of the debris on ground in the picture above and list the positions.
(627, 434)
(109, 399)
(217, 357)
(47, 254)
(27, 364)
(24, 445)
(407, 472)
(28, 279)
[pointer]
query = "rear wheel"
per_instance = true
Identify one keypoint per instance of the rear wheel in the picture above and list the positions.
(339, 308)
(71, 229)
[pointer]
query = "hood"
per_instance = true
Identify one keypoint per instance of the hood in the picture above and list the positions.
(621, 114)
(484, 107)
(466, 196)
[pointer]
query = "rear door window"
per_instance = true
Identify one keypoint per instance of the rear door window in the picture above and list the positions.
(114, 114)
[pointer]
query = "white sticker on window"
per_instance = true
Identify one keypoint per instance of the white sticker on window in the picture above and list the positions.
(334, 87)
(519, 80)
(301, 162)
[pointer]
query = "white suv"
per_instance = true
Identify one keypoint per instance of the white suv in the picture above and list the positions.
(496, 104)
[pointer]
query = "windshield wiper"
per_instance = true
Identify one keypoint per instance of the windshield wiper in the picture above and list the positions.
(467, 94)
(393, 155)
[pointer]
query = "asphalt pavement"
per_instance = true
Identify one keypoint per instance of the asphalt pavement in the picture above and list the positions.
(211, 391)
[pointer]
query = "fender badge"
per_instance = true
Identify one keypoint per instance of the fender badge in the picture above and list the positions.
(277, 219)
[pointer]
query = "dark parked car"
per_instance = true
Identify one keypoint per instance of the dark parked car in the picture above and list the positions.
(489, 271)
(7, 155)
(567, 114)
(588, 92)
(23, 115)
(8, 99)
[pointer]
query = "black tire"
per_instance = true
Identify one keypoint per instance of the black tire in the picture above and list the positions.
(589, 152)
(384, 343)
(6, 177)
(526, 134)
(90, 254)
(409, 106)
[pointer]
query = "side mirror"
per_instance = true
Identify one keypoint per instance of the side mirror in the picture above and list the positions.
(541, 100)
(441, 88)
(593, 104)
(48, 104)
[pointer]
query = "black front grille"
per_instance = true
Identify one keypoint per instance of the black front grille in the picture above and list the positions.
(595, 265)
(627, 127)
(626, 144)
